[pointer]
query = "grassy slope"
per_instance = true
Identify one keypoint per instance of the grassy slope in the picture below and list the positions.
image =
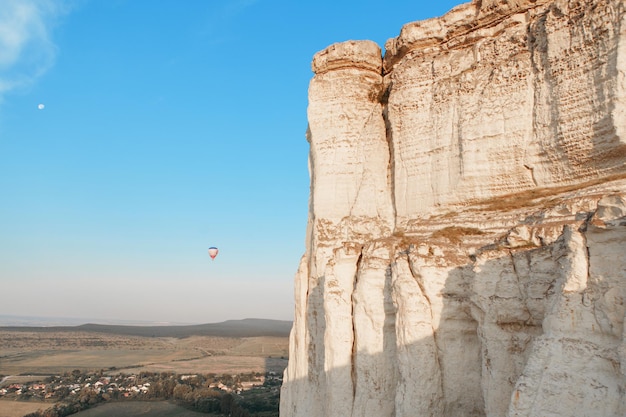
(9, 408)
(140, 409)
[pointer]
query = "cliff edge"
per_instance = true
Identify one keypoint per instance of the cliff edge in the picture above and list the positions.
(467, 229)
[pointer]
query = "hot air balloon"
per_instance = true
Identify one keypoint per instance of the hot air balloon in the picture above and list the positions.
(213, 252)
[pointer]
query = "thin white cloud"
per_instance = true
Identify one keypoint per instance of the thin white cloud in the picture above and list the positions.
(26, 47)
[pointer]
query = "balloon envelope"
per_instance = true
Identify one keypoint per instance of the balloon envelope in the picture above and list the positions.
(213, 252)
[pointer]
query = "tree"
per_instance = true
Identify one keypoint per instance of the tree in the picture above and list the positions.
(182, 392)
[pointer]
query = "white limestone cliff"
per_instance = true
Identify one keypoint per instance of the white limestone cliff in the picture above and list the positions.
(467, 232)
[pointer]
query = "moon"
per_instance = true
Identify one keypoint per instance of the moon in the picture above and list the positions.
(40, 106)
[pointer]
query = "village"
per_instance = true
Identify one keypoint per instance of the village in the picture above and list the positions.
(256, 391)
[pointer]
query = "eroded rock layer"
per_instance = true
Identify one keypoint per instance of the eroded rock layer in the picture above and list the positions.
(467, 234)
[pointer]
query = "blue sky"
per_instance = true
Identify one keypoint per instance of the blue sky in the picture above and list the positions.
(168, 127)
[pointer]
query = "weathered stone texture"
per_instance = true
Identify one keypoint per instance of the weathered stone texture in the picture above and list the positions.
(467, 231)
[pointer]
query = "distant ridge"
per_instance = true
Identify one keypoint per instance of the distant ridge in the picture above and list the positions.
(229, 328)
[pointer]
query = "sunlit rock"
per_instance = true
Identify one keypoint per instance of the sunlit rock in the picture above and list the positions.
(467, 225)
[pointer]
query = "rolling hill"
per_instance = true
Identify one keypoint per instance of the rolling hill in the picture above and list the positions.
(229, 328)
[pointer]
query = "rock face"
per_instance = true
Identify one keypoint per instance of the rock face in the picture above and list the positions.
(466, 246)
